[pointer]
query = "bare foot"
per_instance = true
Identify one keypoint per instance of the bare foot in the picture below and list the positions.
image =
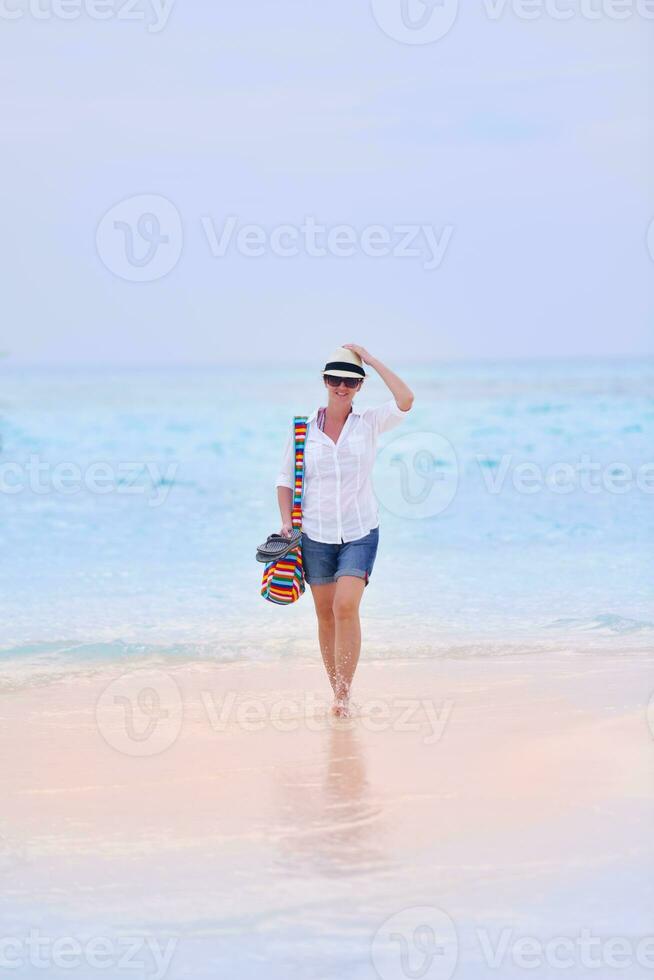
(341, 708)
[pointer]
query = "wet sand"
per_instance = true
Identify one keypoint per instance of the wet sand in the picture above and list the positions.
(220, 809)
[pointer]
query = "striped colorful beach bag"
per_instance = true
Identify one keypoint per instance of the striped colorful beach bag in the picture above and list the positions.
(283, 578)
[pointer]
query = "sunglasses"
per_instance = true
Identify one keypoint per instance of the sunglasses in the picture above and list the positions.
(334, 382)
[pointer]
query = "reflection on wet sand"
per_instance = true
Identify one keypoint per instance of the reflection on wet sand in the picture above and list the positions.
(331, 817)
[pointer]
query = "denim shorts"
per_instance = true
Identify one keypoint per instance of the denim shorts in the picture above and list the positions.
(324, 563)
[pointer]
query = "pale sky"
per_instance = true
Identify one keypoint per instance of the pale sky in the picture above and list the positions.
(522, 146)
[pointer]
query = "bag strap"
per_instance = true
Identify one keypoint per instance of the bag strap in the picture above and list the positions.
(300, 426)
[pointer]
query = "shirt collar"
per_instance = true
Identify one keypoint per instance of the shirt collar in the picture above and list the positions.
(314, 414)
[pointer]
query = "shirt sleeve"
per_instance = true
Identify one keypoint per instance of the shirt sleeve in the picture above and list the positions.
(285, 476)
(385, 417)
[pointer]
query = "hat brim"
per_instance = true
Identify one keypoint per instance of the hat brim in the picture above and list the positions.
(345, 374)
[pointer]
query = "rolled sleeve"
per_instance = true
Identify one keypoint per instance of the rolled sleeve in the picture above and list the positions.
(386, 416)
(285, 476)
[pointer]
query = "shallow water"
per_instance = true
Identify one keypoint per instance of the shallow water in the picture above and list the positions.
(160, 561)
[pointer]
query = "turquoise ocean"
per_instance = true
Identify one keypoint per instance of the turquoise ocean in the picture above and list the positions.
(516, 510)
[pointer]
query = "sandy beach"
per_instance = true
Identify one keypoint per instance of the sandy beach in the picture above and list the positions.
(426, 227)
(219, 811)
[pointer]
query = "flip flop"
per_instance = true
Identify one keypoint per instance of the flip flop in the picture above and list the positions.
(278, 546)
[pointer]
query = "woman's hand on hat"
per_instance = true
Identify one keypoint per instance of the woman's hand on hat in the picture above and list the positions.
(361, 351)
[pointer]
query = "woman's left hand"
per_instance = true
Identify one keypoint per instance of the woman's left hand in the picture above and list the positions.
(361, 351)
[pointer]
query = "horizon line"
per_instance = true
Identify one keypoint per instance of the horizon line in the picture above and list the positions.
(7, 361)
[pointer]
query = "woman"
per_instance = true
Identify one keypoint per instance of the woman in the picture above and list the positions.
(340, 522)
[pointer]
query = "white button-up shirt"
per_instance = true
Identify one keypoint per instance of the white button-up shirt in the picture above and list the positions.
(338, 503)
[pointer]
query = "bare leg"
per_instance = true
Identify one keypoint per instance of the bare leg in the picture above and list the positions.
(323, 597)
(349, 590)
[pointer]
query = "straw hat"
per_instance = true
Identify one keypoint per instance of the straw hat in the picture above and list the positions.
(344, 363)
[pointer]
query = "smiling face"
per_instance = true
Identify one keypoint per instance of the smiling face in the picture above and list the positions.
(341, 396)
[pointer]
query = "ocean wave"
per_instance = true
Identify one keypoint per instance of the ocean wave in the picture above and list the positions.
(606, 623)
(40, 665)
